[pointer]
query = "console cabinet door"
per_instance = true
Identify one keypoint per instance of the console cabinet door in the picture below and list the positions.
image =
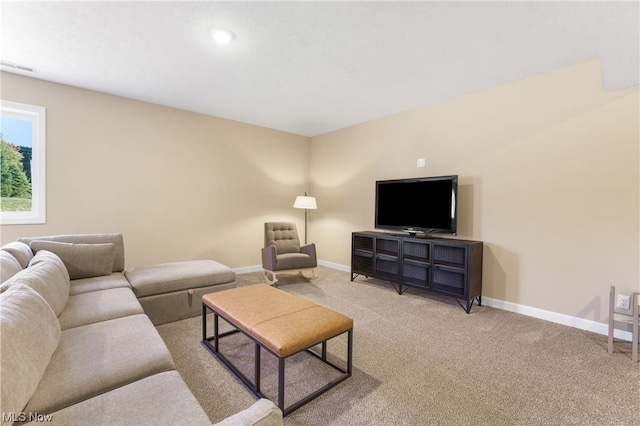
(362, 255)
(416, 263)
(387, 256)
(450, 269)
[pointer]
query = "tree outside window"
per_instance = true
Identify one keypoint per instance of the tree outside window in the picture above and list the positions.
(22, 161)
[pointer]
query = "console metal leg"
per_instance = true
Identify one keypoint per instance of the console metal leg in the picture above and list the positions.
(467, 305)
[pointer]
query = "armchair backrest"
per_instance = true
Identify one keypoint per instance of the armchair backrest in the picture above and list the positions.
(283, 235)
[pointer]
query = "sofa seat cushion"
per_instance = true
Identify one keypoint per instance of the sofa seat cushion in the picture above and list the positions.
(176, 276)
(30, 334)
(96, 358)
(160, 399)
(86, 285)
(96, 306)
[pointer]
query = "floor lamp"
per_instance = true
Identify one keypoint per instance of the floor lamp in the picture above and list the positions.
(307, 203)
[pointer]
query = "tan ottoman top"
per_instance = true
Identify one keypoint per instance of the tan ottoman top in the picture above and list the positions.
(283, 322)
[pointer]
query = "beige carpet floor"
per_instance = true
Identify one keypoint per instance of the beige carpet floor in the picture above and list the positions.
(419, 359)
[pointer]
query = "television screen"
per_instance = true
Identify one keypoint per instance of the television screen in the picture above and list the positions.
(426, 204)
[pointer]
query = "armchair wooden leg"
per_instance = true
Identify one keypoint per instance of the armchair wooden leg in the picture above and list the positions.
(313, 274)
(270, 277)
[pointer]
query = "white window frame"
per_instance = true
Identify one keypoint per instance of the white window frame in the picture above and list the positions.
(35, 114)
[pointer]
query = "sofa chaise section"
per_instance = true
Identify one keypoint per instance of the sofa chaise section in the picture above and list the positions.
(173, 291)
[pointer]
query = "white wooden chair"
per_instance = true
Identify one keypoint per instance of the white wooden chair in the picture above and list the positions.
(624, 319)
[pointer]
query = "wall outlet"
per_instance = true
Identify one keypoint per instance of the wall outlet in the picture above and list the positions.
(623, 301)
(420, 162)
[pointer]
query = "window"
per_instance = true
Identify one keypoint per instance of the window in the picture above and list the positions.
(22, 164)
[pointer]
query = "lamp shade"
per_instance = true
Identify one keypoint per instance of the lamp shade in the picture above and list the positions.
(305, 202)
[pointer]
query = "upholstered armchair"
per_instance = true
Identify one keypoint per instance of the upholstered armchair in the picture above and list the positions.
(282, 252)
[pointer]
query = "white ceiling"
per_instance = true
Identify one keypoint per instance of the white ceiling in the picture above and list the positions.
(313, 67)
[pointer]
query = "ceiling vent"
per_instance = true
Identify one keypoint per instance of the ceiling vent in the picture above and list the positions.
(10, 66)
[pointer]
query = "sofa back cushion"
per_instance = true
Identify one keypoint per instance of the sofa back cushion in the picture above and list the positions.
(30, 334)
(9, 266)
(47, 275)
(21, 251)
(116, 239)
(81, 260)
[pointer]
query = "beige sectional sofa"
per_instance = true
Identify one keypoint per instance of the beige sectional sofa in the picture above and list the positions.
(76, 346)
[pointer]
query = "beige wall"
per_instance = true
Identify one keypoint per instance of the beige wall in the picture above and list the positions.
(549, 175)
(548, 166)
(178, 185)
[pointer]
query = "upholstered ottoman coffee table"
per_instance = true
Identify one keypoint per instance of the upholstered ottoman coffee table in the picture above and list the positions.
(172, 291)
(282, 324)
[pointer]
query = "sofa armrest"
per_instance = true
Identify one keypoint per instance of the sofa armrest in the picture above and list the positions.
(262, 413)
(269, 257)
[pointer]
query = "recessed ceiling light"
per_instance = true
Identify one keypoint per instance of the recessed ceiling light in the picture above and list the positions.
(221, 36)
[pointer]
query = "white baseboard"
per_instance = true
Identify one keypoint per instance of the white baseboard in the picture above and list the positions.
(248, 269)
(337, 266)
(580, 323)
(258, 268)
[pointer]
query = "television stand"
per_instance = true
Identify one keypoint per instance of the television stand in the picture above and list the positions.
(445, 266)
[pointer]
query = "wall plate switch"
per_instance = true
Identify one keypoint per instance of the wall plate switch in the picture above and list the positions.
(623, 301)
(421, 162)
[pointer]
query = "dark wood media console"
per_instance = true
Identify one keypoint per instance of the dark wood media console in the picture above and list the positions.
(446, 266)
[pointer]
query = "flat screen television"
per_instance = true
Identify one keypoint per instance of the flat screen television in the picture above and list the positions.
(426, 205)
